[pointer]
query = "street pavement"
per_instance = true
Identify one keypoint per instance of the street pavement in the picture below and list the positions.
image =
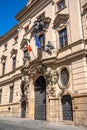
(7, 123)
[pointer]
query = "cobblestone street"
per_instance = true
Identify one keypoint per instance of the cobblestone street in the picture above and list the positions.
(26, 124)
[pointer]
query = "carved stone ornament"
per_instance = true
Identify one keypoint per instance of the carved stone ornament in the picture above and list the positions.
(36, 69)
(24, 88)
(52, 81)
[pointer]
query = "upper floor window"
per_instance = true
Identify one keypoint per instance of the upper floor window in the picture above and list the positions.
(14, 63)
(15, 39)
(11, 94)
(42, 40)
(61, 5)
(5, 46)
(3, 68)
(63, 38)
(26, 56)
(26, 29)
(0, 95)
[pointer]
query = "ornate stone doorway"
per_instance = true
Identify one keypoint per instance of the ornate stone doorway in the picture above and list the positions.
(23, 109)
(40, 99)
(67, 107)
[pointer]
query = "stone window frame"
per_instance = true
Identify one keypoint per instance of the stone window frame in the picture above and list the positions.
(3, 61)
(60, 23)
(61, 86)
(14, 62)
(5, 46)
(13, 55)
(64, 43)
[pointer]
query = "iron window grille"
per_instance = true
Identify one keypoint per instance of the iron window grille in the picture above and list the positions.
(64, 77)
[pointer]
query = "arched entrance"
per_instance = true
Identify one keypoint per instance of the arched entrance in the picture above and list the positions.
(40, 99)
(67, 107)
(23, 109)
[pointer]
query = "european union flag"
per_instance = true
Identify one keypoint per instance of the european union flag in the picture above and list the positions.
(38, 44)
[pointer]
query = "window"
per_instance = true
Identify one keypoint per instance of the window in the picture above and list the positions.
(63, 38)
(61, 5)
(64, 77)
(3, 68)
(15, 39)
(26, 29)
(0, 96)
(11, 94)
(14, 62)
(5, 46)
(26, 56)
(42, 41)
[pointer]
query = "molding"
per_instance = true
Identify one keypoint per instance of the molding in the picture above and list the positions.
(32, 9)
(9, 104)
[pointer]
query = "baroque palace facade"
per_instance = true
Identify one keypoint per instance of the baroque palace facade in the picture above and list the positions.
(43, 63)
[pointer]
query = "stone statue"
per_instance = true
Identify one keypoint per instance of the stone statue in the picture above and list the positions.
(52, 80)
(26, 86)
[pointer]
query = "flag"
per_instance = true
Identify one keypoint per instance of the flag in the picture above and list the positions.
(38, 44)
(29, 48)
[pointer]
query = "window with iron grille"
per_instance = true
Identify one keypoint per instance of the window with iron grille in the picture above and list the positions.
(3, 68)
(0, 95)
(61, 5)
(63, 38)
(11, 94)
(64, 77)
(14, 62)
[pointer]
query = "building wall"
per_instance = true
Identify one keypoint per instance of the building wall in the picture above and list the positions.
(72, 56)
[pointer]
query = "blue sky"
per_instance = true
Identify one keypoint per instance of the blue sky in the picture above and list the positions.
(8, 11)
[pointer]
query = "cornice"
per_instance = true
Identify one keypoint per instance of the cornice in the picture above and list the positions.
(10, 80)
(9, 34)
(25, 9)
